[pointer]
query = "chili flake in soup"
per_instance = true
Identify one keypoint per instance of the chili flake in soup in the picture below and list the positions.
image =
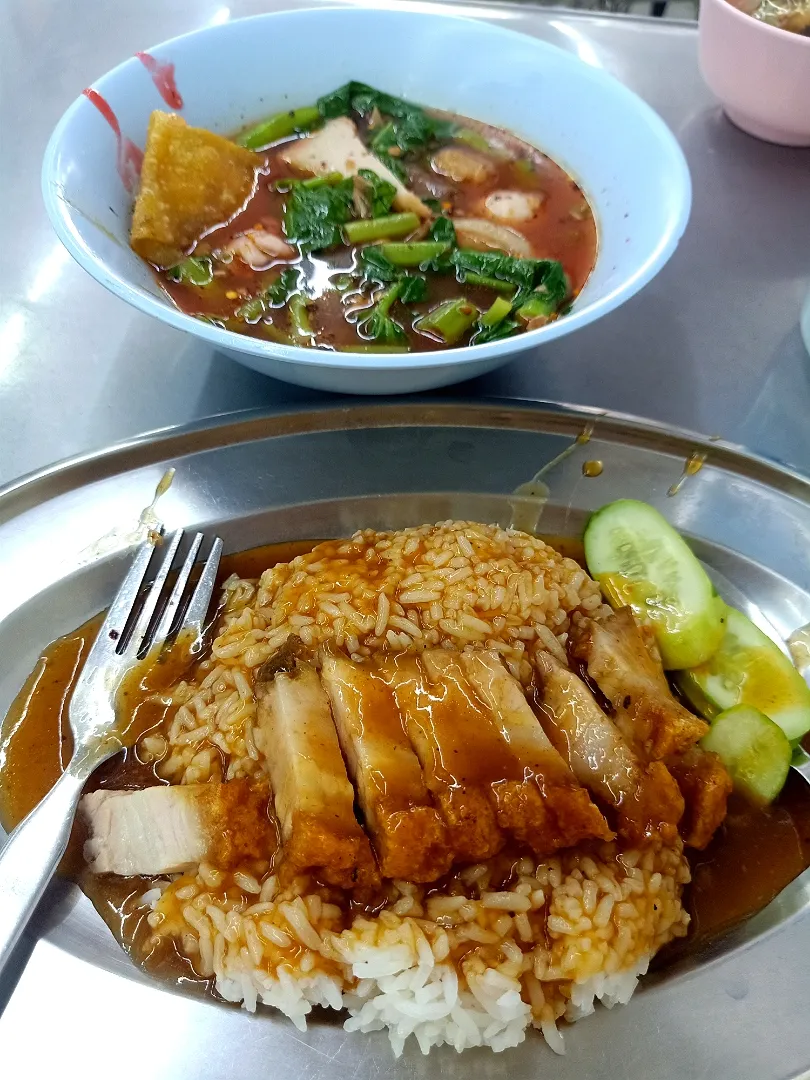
(362, 223)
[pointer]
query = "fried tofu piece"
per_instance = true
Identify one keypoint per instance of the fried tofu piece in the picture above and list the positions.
(168, 829)
(447, 743)
(572, 814)
(313, 796)
(338, 148)
(633, 681)
(705, 786)
(646, 799)
(408, 834)
(191, 181)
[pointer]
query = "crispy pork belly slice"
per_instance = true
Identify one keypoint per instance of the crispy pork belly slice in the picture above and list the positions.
(164, 830)
(407, 832)
(705, 786)
(646, 799)
(574, 816)
(338, 148)
(633, 681)
(486, 757)
(447, 743)
(313, 797)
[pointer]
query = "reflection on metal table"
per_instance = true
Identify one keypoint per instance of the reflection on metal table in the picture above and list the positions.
(712, 344)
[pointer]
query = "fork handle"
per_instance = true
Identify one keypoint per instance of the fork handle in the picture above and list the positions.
(31, 855)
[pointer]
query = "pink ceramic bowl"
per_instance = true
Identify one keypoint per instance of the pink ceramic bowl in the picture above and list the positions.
(760, 73)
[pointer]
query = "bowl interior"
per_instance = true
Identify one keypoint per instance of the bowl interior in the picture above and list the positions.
(620, 151)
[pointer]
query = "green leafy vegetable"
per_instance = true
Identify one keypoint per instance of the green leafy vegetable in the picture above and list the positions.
(338, 103)
(474, 139)
(433, 204)
(546, 298)
(503, 287)
(375, 266)
(381, 192)
(252, 310)
(276, 295)
(313, 216)
(449, 321)
(410, 128)
(192, 271)
(280, 126)
(391, 225)
(495, 323)
(418, 253)
(444, 231)
(379, 325)
(299, 316)
(414, 289)
(545, 276)
(283, 287)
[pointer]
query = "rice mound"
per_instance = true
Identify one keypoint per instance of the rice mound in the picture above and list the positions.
(492, 954)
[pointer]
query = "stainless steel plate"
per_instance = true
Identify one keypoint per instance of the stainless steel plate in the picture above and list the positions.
(258, 478)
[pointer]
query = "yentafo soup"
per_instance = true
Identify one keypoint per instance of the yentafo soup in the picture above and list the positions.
(362, 223)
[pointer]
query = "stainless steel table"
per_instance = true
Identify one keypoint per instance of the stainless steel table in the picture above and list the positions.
(712, 344)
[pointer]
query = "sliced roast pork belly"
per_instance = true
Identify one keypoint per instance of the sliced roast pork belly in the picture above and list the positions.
(646, 798)
(407, 832)
(705, 786)
(313, 796)
(519, 807)
(449, 747)
(573, 815)
(633, 681)
(165, 830)
(338, 148)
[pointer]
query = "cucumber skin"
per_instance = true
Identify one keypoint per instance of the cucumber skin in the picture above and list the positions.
(701, 631)
(758, 780)
(704, 690)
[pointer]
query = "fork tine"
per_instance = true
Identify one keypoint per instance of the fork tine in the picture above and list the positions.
(111, 631)
(167, 619)
(139, 636)
(194, 618)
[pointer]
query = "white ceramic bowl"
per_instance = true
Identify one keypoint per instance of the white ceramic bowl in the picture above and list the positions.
(626, 159)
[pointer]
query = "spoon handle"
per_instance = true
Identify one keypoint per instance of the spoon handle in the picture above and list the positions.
(31, 855)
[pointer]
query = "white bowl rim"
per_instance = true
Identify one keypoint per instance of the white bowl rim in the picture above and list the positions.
(344, 361)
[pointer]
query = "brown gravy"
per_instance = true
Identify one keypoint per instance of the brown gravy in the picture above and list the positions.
(754, 855)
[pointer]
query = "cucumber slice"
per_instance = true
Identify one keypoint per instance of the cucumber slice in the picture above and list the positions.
(640, 560)
(749, 669)
(754, 749)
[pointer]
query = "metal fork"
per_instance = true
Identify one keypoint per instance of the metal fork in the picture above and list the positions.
(135, 625)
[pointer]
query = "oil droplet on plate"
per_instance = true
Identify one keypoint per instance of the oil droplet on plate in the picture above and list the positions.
(694, 463)
(592, 468)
